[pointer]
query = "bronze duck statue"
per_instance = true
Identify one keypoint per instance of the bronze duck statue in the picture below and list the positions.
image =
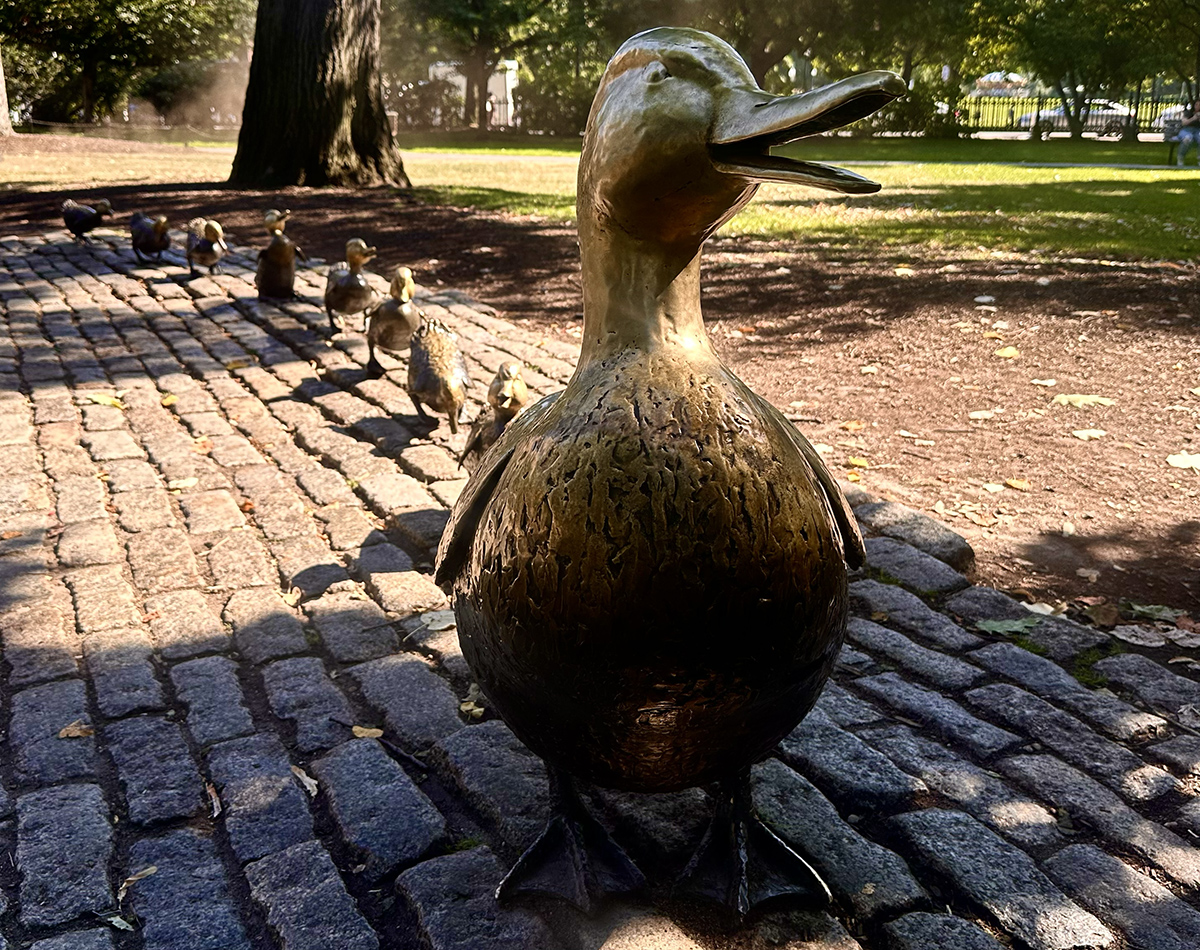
(347, 289)
(507, 396)
(437, 372)
(205, 245)
(275, 275)
(80, 219)
(393, 322)
(616, 546)
(148, 235)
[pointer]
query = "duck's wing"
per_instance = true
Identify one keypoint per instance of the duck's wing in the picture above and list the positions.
(843, 515)
(455, 548)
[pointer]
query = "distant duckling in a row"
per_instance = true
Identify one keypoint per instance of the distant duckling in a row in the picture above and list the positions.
(205, 245)
(80, 219)
(347, 289)
(148, 235)
(507, 396)
(276, 274)
(391, 325)
(437, 372)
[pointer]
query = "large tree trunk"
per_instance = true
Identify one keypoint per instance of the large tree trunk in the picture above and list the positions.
(314, 111)
(5, 119)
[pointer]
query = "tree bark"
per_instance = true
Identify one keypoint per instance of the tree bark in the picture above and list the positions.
(5, 118)
(314, 112)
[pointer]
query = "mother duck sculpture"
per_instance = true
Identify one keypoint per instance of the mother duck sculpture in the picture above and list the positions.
(649, 568)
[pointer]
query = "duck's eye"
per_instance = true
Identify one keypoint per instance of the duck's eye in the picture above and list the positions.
(656, 72)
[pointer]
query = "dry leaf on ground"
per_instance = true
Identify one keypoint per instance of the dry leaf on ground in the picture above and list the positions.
(853, 425)
(1007, 353)
(1044, 382)
(76, 730)
(178, 484)
(213, 798)
(1081, 400)
(103, 399)
(1020, 484)
(133, 879)
(858, 462)
(438, 620)
(169, 400)
(1184, 460)
(309, 783)
(981, 414)
(366, 732)
(1087, 435)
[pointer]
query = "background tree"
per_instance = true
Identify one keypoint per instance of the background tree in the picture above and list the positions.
(5, 118)
(314, 112)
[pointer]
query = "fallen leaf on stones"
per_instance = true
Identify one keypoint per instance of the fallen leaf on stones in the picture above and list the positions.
(1088, 435)
(1181, 659)
(981, 414)
(1184, 460)
(1044, 382)
(366, 732)
(823, 448)
(853, 425)
(178, 484)
(858, 462)
(1104, 615)
(853, 477)
(1081, 400)
(879, 616)
(470, 709)
(247, 505)
(1068, 529)
(1089, 574)
(1187, 623)
(133, 879)
(9, 535)
(1007, 353)
(1152, 611)
(992, 487)
(309, 783)
(1019, 484)
(903, 271)
(76, 730)
(118, 923)
(868, 888)
(103, 399)
(169, 400)
(1189, 716)
(1182, 638)
(1019, 625)
(868, 370)
(985, 298)
(1046, 610)
(438, 620)
(924, 442)
(984, 521)
(993, 335)
(1139, 636)
(213, 798)
(202, 444)
(292, 597)
(237, 364)
(1195, 392)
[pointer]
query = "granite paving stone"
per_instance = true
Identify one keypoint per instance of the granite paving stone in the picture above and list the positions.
(943, 671)
(925, 931)
(1093, 805)
(1061, 639)
(104, 446)
(846, 769)
(144, 510)
(452, 898)
(209, 689)
(156, 771)
(264, 806)
(918, 530)
(39, 644)
(352, 626)
(300, 690)
(162, 560)
(942, 715)
(846, 709)
(80, 498)
(418, 706)
(104, 600)
(903, 564)
(379, 810)
(1115, 766)
(306, 903)
(209, 511)
(904, 611)
(1183, 752)
(1151, 682)
(38, 715)
(76, 940)
(184, 624)
(865, 876)
(186, 903)
(238, 559)
(64, 844)
(131, 475)
(122, 673)
(85, 543)
(264, 627)
(999, 878)
(1148, 915)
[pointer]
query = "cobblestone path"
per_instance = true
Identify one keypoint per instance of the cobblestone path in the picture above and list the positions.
(223, 659)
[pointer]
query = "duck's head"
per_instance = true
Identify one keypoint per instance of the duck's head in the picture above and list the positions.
(357, 252)
(160, 225)
(275, 220)
(403, 286)
(508, 392)
(679, 136)
(216, 234)
(104, 207)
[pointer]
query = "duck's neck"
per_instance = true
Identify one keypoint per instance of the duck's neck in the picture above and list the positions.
(638, 294)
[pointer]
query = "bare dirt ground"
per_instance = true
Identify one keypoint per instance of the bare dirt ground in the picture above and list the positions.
(904, 364)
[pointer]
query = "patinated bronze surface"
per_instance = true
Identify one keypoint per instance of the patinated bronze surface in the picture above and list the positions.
(507, 396)
(649, 568)
(393, 322)
(149, 235)
(205, 245)
(80, 219)
(437, 372)
(275, 275)
(347, 289)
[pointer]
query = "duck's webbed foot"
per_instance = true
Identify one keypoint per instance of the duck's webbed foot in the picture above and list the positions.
(574, 860)
(335, 322)
(742, 864)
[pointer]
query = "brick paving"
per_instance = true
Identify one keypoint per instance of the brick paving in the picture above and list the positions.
(216, 536)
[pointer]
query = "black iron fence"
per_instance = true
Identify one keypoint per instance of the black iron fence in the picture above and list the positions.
(1045, 114)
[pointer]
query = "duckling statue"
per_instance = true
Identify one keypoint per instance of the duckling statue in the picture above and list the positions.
(507, 396)
(437, 372)
(205, 245)
(392, 324)
(80, 219)
(347, 289)
(276, 272)
(148, 235)
(649, 568)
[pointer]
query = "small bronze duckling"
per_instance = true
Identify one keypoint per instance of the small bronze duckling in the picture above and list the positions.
(205, 245)
(437, 372)
(507, 396)
(347, 289)
(649, 568)
(392, 324)
(276, 272)
(80, 219)
(148, 235)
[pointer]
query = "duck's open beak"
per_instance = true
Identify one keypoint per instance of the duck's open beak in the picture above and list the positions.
(750, 121)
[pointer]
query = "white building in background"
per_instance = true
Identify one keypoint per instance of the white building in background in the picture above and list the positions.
(500, 87)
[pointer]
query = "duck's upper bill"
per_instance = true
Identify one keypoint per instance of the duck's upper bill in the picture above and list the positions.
(749, 122)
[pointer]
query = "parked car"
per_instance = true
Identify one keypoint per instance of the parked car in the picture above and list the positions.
(1104, 118)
